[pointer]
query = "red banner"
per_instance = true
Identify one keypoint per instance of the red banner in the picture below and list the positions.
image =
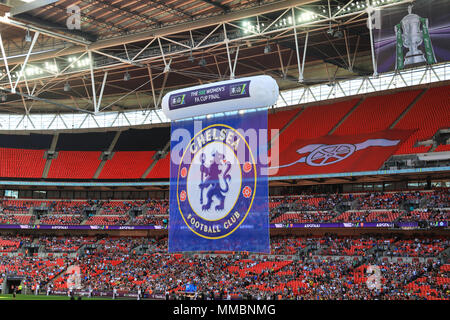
(333, 154)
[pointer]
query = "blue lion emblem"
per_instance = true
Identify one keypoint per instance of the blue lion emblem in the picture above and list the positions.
(210, 180)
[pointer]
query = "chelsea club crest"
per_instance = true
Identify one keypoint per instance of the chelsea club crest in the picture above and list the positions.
(216, 182)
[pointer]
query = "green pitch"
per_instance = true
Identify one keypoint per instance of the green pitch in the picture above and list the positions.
(44, 297)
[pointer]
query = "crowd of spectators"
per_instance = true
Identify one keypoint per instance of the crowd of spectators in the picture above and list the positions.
(149, 219)
(366, 207)
(297, 268)
(418, 206)
(64, 244)
(62, 219)
(16, 219)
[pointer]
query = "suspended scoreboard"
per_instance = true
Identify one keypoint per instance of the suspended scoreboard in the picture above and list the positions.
(231, 95)
(218, 180)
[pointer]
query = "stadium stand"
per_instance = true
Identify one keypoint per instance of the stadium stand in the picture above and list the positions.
(107, 220)
(62, 219)
(67, 206)
(442, 148)
(376, 113)
(150, 220)
(63, 244)
(161, 170)
(426, 120)
(278, 120)
(130, 164)
(79, 154)
(157, 206)
(332, 267)
(21, 163)
(16, 219)
(115, 207)
(359, 175)
(74, 165)
(400, 206)
(315, 122)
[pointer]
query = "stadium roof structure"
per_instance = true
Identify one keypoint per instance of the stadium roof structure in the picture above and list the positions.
(126, 55)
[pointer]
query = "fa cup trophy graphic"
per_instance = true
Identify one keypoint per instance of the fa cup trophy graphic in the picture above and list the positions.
(411, 33)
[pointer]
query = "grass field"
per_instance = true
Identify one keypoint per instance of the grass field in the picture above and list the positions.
(44, 297)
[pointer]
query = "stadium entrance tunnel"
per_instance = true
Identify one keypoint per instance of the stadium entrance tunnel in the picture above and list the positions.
(10, 283)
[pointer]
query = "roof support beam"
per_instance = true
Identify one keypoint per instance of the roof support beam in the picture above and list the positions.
(6, 20)
(374, 61)
(166, 31)
(5, 59)
(33, 97)
(26, 7)
(22, 71)
(299, 64)
(94, 94)
(126, 61)
(48, 25)
(216, 4)
(97, 107)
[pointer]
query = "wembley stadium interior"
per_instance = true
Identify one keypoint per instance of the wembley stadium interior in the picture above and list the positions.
(85, 151)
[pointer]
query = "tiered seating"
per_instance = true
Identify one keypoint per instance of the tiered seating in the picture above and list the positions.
(16, 219)
(383, 201)
(368, 216)
(62, 219)
(305, 217)
(315, 122)
(376, 113)
(418, 247)
(107, 220)
(291, 245)
(157, 207)
(7, 245)
(19, 206)
(33, 269)
(351, 216)
(383, 216)
(415, 215)
(274, 202)
(342, 246)
(21, 163)
(424, 291)
(115, 263)
(64, 244)
(127, 165)
(78, 154)
(307, 208)
(432, 286)
(277, 121)
(116, 207)
(428, 115)
(426, 215)
(440, 215)
(442, 148)
(74, 165)
(68, 207)
(161, 170)
(149, 220)
(311, 202)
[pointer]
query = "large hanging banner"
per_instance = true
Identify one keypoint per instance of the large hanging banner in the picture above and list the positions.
(336, 154)
(409, 35)
(219, 184)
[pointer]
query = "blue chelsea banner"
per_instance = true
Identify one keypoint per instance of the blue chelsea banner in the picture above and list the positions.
(219, 185)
